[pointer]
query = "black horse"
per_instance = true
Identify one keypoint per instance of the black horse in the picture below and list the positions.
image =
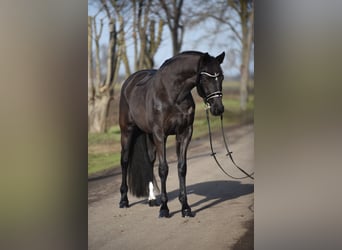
(155, 104)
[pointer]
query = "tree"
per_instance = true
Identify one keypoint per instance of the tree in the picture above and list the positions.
(173, 13)
(144, 34)
(91, 87)
(245, 11)
(101, 92)
(122, 17)
(121, 8)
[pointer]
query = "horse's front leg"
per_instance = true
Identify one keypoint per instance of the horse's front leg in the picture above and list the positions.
(182, 144)
(160, 142)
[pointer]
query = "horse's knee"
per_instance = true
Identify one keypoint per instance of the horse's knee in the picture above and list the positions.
(124, 159)
(182, 197)
(163, 170)
(182, 169)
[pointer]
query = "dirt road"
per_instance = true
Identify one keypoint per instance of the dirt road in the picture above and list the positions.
(223, 206)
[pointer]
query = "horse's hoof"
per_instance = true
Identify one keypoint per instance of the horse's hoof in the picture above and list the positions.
(164, 213)
(153, 203)
(187, 213)
(124, 204)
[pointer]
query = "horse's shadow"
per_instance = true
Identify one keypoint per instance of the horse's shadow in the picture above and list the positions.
(213, 193)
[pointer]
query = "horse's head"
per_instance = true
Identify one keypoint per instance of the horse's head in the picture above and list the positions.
(209, 85)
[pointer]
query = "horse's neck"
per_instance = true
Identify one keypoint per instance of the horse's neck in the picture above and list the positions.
(185, 64)
(179, 78)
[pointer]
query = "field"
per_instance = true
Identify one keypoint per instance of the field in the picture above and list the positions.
(104, 148)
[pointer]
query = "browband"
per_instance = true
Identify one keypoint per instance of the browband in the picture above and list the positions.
(210, 75)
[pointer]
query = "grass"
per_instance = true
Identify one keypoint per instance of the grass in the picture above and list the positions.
(104, 148)
(102, 161)
(112, 136)
(231, 116)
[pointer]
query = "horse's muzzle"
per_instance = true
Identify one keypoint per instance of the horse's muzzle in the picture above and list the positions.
(217, 109)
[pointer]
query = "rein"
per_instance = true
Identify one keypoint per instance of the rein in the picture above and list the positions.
(229, 153)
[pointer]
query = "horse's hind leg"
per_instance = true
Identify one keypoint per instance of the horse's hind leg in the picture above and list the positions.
(152, 201)
(160, 142)
(126, 139)
(182, 143)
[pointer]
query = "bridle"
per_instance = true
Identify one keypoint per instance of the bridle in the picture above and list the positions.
(212, 95)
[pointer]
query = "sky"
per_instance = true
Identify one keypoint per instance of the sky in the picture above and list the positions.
(195, 38)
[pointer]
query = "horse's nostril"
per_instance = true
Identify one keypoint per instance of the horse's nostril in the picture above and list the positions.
(217, 110)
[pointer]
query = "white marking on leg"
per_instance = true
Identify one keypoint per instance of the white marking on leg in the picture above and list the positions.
(151, 191)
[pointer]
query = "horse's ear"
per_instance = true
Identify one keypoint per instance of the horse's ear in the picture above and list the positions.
(220, 57)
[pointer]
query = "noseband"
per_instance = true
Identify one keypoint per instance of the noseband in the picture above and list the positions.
(214, 94)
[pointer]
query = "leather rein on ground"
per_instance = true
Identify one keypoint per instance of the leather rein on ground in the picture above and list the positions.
(229, 153)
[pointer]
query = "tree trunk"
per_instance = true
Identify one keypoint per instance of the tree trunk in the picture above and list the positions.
(98, 109)
(175, 44)
(91, 92)
(149, 40)
(247, 22)
(99, 114)
(97, 37)
(173, 19)
(134, 34)
(122, 47)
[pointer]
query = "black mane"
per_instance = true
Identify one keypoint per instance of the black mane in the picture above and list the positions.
(187, 52)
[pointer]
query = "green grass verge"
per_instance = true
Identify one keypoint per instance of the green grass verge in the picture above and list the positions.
(102, 161)
(112, 136)
(231, 116)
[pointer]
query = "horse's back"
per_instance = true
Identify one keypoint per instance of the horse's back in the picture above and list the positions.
(139, 78)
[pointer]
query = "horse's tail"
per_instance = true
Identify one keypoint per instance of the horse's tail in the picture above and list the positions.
(140, 166)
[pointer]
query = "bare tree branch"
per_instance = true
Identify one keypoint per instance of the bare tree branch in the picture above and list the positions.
(105, 6)
(90, 63)
(173, 14)
(97, 36)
